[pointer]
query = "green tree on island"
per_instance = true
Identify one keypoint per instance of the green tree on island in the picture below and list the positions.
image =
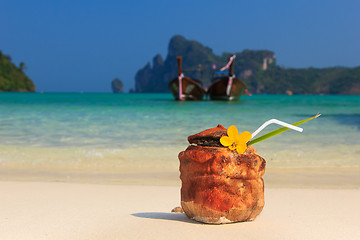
(22, 66)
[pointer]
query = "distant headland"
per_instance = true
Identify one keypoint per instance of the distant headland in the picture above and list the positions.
(13, 78)
(257, 68)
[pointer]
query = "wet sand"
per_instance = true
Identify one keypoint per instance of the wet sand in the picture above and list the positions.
(311, 177)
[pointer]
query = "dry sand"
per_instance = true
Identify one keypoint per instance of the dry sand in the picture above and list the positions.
(33, 210)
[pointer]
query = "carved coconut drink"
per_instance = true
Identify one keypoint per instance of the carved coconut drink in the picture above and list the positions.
(220, 185)
(221, 173)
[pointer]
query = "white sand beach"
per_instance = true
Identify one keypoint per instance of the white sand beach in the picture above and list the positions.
(105, 166)
(39, 210)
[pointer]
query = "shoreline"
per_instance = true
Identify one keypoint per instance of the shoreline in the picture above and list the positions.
(311, 177)
(38, 210)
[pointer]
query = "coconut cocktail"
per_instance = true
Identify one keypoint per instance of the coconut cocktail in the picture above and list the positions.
(221, 174)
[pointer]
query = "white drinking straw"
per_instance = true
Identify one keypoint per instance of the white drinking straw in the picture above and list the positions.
(277, 122)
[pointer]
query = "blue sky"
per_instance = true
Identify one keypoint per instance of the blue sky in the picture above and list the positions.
(82, 45)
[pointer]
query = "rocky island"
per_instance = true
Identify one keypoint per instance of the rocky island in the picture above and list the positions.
(117, 86)
(257, 68)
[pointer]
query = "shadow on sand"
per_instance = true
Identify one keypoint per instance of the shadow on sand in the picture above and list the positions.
(180, 217)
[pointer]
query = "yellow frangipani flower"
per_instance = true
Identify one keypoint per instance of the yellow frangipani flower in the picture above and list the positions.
(234, 140)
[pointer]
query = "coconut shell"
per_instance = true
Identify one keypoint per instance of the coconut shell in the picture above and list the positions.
(220, 185)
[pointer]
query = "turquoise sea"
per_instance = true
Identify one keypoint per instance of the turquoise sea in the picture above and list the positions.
(124, 133)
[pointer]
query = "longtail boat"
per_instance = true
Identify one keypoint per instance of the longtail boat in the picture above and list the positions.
(185, 88)
(227, 87)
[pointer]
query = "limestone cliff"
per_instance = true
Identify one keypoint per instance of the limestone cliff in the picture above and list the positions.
(257, 68)
(198, 61)
(117, 86)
